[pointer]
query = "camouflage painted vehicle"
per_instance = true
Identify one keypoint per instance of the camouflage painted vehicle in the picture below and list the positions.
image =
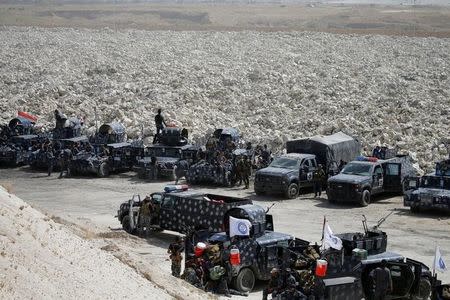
(431, 191)
(69, 128)
(204, 172)
(17, 150)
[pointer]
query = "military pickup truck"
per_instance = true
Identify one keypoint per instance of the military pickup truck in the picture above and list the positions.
(431, 191)
(179, 210)
(364, 178)
(289, 173)
(17, 149)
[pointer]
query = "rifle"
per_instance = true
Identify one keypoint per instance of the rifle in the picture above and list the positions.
(382, 220)
(267, 210)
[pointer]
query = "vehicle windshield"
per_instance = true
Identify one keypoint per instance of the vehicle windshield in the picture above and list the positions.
(433, 182)
(285, 163)
(164, 152)
(357, 169)
(447, 183)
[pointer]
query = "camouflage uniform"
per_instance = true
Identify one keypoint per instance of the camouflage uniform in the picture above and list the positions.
(145, 217)
(175, 250)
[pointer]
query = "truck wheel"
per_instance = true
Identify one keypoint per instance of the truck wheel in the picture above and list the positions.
(424, 290)
(415, 209)
(103, 170)
(292, 191)
(365, 198)
(259, 192)
(126, 224)
(245, 280)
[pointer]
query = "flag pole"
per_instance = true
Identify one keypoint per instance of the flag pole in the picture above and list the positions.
(323, 227)
(434, 260)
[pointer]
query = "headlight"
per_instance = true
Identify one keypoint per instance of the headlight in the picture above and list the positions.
(356, 187)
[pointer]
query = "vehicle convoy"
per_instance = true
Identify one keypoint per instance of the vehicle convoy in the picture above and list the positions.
(289, 173)
(17, 149)
(347, 275)
(179, 209)
(366, 177)
(431, 191)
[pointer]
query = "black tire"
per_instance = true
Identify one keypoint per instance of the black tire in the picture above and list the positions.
(259, 192)
(365, 198)
(331, 200)
(126, 224)
(424, 290)
(415, 209)
(292, 191)
(245, 280)
(103, 170)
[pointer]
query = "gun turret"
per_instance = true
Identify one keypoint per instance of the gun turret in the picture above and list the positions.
(382, 220)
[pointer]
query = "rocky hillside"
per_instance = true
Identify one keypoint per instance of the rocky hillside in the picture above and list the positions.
(272, 86)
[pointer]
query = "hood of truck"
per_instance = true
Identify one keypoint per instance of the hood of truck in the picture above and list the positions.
(432, 192)
(346, 178)
(274, 171)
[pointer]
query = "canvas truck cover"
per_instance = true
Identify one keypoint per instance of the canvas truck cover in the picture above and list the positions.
(329, 149)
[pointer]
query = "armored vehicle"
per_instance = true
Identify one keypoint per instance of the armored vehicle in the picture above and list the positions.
(204, 172)
(173, 136)
(360, 180)
(118, 158)
(38, 159)
(68, 128)
(109, 133)
(21, 126)
(16, 151)
(289, 173)
(431, 191)
(179, 210)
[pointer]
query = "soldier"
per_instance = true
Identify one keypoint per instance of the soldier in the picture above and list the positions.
(381, 282)
(175, 250)
(104, 151)
(160, 124)
(64, 160)
(50, 159)
(145, 217)
(153, 172)
(318, 178)
(265, 155)
(247, 171)
(180, 169)
(274, 284)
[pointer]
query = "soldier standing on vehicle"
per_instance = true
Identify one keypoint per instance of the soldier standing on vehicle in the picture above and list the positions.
(160, 124)
(175, 250)
(318, 179)
(381, 282)
(274, 284)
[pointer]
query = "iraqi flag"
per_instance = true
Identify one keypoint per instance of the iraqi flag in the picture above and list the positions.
(439, 263)
(27, 116)
(239, 227)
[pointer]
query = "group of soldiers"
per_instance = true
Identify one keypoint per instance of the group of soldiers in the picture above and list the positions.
(209, 271)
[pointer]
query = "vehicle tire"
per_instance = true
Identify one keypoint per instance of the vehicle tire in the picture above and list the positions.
(292, 191)
(126, 224)
(332, 200)
(365, 198)
(259, 192)
(245, 280)
(415, 209)
(103, 170)
(424, 290)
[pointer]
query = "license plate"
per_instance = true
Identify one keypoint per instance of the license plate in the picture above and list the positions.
(117, 158)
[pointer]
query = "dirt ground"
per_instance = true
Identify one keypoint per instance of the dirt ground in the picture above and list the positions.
(89, 205)
(340, 18)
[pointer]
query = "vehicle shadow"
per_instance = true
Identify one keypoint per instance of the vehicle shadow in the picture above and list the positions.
(424, 213)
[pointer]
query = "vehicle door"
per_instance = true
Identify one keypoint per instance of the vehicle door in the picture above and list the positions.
(410, 184)
(168, 219)
(268, 259)
(377, 179)
(392, 177)
(402, 280)
(306, 170)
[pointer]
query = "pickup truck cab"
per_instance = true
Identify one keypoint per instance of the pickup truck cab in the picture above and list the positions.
(360, 180)
(286, 175)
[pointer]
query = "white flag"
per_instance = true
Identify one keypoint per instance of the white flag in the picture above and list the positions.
(439, 263)
(239, 227)
(330, 240)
